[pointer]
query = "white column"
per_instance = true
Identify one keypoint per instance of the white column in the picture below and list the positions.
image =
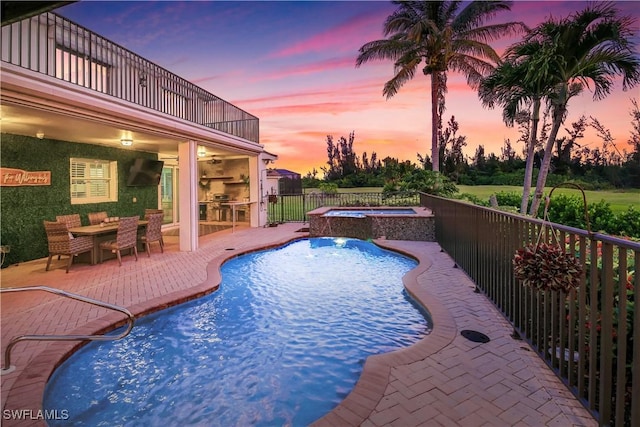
(188, 195)
(254, 191)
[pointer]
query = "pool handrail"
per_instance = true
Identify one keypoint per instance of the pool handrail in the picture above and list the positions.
(7, 368)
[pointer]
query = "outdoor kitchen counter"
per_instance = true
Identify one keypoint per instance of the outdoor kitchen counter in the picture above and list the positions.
(215, 211)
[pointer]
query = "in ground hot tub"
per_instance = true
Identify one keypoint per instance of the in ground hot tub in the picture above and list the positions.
(414, 223)
(361, 213)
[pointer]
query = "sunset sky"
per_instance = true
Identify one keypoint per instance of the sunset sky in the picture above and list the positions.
(292, 64)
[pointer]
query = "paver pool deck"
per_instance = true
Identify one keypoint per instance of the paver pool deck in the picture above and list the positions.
(444, 379)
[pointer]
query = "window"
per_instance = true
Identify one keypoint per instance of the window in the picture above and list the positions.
(93, 181)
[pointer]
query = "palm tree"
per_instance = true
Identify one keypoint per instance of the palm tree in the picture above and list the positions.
(506, 87)
(590, 47)
(445, 39)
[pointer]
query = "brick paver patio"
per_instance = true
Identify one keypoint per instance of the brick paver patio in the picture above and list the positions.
(445, 379)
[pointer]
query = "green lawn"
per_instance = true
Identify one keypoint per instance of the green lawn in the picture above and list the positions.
(618, 199)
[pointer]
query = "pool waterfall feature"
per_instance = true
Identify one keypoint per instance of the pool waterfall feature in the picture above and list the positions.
(392, 223)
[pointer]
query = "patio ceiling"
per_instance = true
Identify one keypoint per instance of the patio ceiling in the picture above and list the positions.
(13, 11)
(20, 120)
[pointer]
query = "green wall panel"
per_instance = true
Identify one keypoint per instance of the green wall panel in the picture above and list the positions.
(22, 209)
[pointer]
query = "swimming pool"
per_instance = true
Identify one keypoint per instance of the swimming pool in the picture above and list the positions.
(282, 341)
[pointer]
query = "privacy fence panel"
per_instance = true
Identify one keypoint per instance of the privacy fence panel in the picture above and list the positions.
(585, 334)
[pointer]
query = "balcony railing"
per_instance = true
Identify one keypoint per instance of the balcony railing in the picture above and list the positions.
(585, 335)
(52, 45)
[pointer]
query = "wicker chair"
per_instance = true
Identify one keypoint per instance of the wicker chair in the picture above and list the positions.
(61, 242)
(126, 238)
(152, 211)
(95, 218)
(72, 220)
(153, 232)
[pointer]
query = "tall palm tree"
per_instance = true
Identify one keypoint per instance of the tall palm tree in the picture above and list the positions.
(444, 38)
(591, 47)
(506, 87)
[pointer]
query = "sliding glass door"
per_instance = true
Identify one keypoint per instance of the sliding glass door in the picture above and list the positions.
(169, 194)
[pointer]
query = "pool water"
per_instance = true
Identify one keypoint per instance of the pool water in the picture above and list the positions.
(361, 213)
(282, 342)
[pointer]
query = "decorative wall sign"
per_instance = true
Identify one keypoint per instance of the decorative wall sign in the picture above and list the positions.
(10, 177)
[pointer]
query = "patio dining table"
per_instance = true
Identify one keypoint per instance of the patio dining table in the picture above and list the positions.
(100, 233)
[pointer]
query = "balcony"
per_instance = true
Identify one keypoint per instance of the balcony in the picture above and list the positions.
(54, 46)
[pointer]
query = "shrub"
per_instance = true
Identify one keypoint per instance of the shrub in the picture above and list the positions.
(567, 210)
(628, 222)
(508, 199)
(328, 188)
(423, 180)
(602, 218)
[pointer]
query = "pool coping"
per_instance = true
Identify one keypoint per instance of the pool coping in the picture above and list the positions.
(28, 389)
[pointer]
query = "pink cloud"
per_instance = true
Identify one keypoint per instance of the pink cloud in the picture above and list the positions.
(327, 65)
(363, 27)
(316, 108)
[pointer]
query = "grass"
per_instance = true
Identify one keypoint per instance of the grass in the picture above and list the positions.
(619, 200)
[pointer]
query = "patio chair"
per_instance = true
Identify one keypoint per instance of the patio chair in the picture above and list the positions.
(153, 232)
(72, 220)
(95, 218)
(61, 242)
(152, 211)
(126, 238)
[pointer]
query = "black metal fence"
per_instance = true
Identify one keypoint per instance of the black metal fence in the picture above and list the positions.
(294, 207)
(585, 335)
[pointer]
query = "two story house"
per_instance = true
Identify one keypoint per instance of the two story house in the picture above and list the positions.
(78, 111)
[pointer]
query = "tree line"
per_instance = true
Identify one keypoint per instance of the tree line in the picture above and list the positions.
(595, 166)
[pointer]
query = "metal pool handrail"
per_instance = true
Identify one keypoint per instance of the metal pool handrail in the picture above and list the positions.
(7, 368)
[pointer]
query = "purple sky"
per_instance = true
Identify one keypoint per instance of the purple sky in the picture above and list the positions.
(292, 64)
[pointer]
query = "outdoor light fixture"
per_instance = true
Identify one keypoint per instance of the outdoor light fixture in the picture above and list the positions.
(40, 134)
(127, 142)
(202, 152)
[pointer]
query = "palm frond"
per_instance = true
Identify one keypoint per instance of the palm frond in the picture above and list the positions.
(404, 71)
(476, 13)
(475, 48)
(490, 33)
(382, 49)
